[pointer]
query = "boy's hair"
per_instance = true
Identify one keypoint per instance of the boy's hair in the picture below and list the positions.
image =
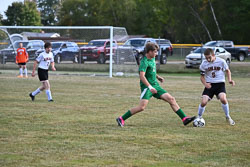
(209, 51)
(47, 45)
(150, 46)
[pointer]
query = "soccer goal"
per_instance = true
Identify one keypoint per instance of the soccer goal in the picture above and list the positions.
(91, 49)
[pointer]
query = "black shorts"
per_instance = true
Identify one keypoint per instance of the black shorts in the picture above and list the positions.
(43, 74)
(23, 64)
(216, 89)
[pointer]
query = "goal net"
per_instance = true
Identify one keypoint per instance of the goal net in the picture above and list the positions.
(85, 49)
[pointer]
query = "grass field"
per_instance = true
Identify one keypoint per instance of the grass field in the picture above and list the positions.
(79, 127)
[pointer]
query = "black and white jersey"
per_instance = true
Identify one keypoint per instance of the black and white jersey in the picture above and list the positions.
(214, 71)
(44, 60)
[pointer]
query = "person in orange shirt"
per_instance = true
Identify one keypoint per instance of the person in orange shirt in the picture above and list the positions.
(21, 59)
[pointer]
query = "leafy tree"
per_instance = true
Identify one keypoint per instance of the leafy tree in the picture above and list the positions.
(1, 19)
(118, 13)
(22, 14)
(233, 17)
(78, 12)
(14, 14)
(48, 10)
(31, 14)
(184, 21)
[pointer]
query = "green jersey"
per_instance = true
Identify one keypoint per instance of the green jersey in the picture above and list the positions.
(148, 66)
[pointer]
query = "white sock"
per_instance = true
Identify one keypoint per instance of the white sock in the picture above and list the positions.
(226, 109)
(48, 92)
(21, 71)
(26, 72)
(36, 92)
(201, 110)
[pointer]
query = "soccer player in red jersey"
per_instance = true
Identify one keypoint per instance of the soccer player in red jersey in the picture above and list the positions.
(22, 58)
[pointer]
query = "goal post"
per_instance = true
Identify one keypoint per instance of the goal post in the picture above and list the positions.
(82, 36)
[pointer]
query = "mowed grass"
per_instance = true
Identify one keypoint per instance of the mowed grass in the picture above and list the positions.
(79, 127)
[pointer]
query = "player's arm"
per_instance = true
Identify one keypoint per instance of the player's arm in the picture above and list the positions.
(53, 66)
(34, 68)
(203, 80)
(145, 81)
(27, 56)
(229, 77)
(17, 58)
(161, 79)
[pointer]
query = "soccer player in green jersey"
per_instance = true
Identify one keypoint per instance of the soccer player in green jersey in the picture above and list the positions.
(150, 87)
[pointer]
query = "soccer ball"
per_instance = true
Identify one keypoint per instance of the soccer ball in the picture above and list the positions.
(199, 122)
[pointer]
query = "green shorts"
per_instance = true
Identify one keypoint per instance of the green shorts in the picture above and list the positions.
(146, 94)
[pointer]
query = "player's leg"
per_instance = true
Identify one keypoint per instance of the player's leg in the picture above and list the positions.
(204, 100)
(20, 71)
(25, 70)
(225, 106)
(207, 95)
(175, 107)
(43, 77)
(145, 96)
(48, 92)
(37, 91)
(142, 105)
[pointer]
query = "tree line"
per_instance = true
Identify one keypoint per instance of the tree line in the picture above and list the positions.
(182, 21)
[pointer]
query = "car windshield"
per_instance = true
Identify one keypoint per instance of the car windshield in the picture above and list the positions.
(163, 42)
(211, 43)
(96, 43)
(199, 50)
(56, 45)
(135, 43)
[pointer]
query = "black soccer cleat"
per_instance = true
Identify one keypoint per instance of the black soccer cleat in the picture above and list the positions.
(188, 120)
(51, 100)
(120, 121)
(32, 97)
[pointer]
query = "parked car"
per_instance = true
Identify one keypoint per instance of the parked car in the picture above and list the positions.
(97, 50)
(139, 44)
(63, 51)
(9, 54)
(195, 58)
(239, 53)
(165, 45)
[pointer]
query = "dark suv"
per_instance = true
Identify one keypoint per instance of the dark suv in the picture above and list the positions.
(9, 54)
(64, 51)
(138, 45)
(240, 52)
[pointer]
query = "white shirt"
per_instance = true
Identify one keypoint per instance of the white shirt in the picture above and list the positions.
(214, 71)
(45, 59)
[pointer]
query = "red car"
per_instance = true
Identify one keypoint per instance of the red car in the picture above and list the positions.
(97, 50)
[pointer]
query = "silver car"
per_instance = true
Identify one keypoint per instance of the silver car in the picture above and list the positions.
(195, 57)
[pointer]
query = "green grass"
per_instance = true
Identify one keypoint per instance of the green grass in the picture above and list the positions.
(79, 128)
(240, 69)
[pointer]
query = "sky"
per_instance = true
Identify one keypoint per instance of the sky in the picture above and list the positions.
(4, 5)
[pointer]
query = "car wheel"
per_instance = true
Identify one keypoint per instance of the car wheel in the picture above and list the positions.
(228, 61)
(241, 57)
(163, 59)
(140, 56)
(101, 59)
(58, 59)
